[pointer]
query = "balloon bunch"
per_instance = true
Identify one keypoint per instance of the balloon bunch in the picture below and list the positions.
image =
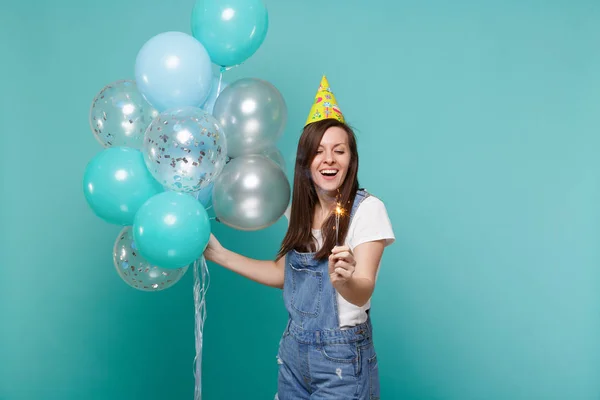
(178, 140)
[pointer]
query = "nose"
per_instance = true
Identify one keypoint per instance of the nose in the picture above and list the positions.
(329, 157)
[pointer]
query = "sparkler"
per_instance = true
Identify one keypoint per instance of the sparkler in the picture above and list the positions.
(339, 211)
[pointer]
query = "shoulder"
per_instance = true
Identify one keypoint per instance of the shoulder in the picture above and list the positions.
(370, 222)
(371, 204)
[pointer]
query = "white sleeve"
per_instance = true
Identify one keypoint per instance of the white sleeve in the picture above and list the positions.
(370, 222)
(287, 214)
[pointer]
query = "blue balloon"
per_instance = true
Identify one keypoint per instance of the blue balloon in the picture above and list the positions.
(205, 195)
(172, 70)
(171, 230)
(230, 30)
(215, 91)
(116, 183)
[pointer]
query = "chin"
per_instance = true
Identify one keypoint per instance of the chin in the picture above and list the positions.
(327, 187)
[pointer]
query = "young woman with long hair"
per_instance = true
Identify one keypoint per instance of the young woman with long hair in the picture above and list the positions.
(327, 265)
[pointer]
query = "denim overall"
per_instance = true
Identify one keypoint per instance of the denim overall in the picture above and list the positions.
(317, 359)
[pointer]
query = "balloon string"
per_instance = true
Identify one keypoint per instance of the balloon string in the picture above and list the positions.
(221, 70)
(201, 284)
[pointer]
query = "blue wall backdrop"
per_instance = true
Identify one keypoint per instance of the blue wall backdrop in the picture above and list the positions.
(479, 127)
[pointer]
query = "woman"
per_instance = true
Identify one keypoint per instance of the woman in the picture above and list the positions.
(326, 351)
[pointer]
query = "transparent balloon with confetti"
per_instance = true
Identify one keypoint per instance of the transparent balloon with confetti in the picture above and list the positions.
(119, 115)
(185, 149)
(136, 271)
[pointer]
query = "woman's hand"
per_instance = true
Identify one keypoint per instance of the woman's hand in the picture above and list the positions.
(213, 249)
(341, 266)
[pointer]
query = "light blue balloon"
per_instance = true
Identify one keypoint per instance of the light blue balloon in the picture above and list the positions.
(230, 30)
(172, 70)
(205, 195)
(171, 229)
(215, 90)
(116, 183)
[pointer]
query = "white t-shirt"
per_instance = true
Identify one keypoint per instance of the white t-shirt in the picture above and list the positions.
(369, 223)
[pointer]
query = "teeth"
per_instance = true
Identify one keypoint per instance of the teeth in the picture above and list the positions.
(329, 171)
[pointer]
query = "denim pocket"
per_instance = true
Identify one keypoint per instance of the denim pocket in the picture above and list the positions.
(307, 286)
(341, 353)
(343, 359)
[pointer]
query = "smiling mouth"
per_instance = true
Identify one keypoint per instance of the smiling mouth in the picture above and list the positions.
(329, 172)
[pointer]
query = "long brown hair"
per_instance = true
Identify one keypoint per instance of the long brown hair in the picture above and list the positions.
(299, 235)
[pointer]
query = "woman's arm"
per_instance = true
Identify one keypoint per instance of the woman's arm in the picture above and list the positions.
(353, 273)
(269, 273)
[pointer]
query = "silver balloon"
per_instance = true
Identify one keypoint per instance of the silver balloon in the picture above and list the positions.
(119, 115)
(253, 114)
(275, 155)
(184, 149)
(136, 271)
(251, 193)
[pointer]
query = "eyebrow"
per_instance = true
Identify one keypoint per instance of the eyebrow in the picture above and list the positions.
(336, 145)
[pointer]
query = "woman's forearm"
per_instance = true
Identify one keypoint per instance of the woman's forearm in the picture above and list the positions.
(357, 291)
(269, 273)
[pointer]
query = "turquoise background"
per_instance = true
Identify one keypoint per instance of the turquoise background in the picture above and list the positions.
(478, 126)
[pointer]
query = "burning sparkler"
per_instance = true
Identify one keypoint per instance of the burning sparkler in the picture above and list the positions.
(339, 211)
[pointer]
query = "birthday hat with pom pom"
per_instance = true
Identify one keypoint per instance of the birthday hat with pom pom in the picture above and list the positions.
(325, 105)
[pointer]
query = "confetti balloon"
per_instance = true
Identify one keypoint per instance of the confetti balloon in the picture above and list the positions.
(184, 149)
(136, 271)
(120, 115)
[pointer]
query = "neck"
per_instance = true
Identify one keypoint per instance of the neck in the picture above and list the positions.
(327, 201)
